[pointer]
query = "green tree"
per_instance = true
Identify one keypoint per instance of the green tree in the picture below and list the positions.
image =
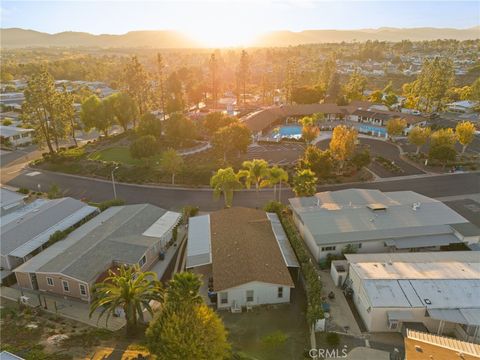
(306, 95)
(66, 112)
(171, 162)
(232, 138)
(355, 86)
(277, 176)
(138, 86)
(131, 290)
(343, 142)
(97, 114)
(255, 172)
(419, 136)
(216, 120)
(465, 132)
(304, 183)
(361, 159)
(123, 108)
(39, 108)
(225, 182)
(443, 137)
(179, 129)
(395, 127)
(320, 162)
(442, 153)
(213, 67)
(185, 327)
(243, 73)
(150, 125)
(161, 85)
(144, 147)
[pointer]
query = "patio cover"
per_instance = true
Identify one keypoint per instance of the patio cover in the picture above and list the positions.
(423, 241)
(283, 242)
(163, 225)
(459, 316)
(199, 244)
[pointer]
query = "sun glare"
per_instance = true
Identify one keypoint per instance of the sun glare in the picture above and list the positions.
(225, 37)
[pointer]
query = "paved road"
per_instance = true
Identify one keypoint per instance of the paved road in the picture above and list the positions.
(100, 190)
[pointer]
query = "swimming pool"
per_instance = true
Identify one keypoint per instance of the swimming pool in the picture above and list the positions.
(287, 131)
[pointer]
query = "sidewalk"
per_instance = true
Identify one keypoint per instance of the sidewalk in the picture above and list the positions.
(71, 309)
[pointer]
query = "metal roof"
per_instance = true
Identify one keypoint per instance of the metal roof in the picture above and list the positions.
(199, 244)
(114, 235)
(423, 241)
(27, 230)
(5, 355)
(344, 217)
(7, 131)
(467, 229)
(163, 225)
(8, 198)
(459, 316)
(283, 242)
(400, 315)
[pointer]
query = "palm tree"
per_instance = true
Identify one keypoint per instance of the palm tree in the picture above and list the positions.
(255, 172)
(276, 176)
(130, 289)
(225, 182)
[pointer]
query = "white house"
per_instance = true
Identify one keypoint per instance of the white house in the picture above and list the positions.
(463, 107)
(16, 136)
(436, 291)
(244, 256)
(374, 222)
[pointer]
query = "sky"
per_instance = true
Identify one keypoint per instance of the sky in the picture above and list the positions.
(210, 19)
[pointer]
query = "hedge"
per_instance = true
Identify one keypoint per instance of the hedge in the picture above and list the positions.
(313, 283)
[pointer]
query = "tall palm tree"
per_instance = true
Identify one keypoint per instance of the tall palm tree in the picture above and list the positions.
(225, 182)
(255, 172)
(276, 176)
(130, 289)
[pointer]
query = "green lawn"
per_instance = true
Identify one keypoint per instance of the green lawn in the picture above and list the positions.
(119, 154)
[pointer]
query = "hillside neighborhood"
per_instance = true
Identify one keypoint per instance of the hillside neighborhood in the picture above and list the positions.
(294, 198)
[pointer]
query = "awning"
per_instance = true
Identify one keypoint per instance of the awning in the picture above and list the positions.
(163, 225)
(283, 242)
(423, 241)
(459, 316)
(199, 242)
(399, 315)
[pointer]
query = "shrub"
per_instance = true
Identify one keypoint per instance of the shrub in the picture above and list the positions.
(189, 211)
(57, 236)
(54, 192)
(24, 191)
(333, 339)
(274, 339)
(273, 207)
(108, 203)
(7, 122)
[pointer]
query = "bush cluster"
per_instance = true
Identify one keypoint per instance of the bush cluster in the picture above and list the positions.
(389, 165)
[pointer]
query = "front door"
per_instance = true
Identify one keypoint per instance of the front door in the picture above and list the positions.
(33, 278)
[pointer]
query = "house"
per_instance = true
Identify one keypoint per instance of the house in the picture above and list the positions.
(424, 346)
(245, 256)
(16, 136)
(27, 229)
(372, 221)
(465, 106)
(436, 291)
(10, 200)
(121, 235)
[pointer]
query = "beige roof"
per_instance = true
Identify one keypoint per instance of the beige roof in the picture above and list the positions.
(244, 249)
(420, 345)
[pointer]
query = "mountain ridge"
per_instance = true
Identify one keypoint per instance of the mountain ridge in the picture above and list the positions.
(21, 38)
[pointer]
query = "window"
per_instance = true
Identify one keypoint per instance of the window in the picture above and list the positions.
(83, 290)
(280, 292)
(359, 246)
(329, 248)
(50, 281)
(223, 298)
(142, 261)
(16, 137)
(66, 286)
(249, 295)
(25, 135)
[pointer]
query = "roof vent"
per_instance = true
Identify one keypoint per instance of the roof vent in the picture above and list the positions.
(376, 206)
(416, 205)
(427, 301)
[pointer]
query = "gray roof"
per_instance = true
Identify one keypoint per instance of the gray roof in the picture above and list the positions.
(346, 216)
(8, 197)
(30, 227)
(467, 229)
(423, 241)
(5, 355)
(7, 131)
(199, 245)
(114, 235)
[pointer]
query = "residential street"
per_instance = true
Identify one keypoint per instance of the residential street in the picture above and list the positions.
(171, 198)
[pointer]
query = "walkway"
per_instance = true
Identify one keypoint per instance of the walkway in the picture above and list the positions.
(71, 309)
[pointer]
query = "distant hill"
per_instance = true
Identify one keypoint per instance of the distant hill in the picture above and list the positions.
(18, 38)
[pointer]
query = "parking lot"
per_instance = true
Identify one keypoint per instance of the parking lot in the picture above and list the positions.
(279, 153)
